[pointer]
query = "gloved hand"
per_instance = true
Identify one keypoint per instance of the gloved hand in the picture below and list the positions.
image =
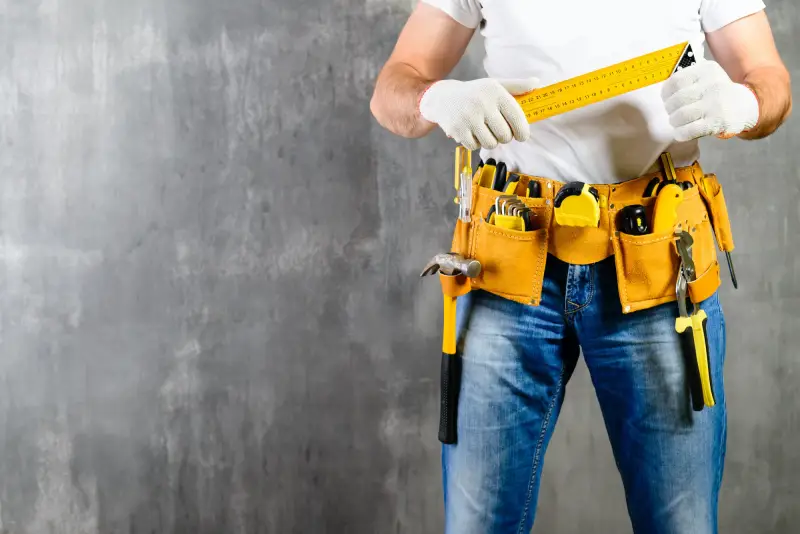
(478, 113)
(702, 100)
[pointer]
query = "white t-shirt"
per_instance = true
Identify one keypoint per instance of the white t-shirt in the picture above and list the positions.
(606, 142)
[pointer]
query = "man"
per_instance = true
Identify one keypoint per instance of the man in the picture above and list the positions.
(517, 359)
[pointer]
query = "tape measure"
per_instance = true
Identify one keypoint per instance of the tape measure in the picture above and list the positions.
(605, 83)
(577, 204)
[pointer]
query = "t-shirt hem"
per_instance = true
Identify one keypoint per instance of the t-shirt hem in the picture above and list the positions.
(735, 11)
(463, 17)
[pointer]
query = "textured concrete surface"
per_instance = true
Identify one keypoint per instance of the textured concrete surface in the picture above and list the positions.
(211, 320)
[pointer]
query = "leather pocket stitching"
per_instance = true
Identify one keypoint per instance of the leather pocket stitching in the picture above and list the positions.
(624, 274)
(536, 240)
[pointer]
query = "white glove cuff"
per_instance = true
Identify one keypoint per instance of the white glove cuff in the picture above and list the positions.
(751, 110)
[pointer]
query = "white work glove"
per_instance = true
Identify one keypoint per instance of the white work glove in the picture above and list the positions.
(702, 100)
(479, 113)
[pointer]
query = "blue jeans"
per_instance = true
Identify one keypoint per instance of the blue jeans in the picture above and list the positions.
(516, 362)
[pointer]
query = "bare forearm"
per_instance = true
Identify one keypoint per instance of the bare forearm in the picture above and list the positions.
(394, 102)
(772, 87)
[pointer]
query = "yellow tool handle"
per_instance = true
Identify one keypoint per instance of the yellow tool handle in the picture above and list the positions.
(701, 352)
(665, 212)
(605, 83)
(669, 167)
(695, 344)
(463, 164)
(449, 327)
(509, 222)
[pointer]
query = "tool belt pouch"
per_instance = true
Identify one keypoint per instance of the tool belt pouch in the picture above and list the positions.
(647, 265)
(512, 260)
(712, 193)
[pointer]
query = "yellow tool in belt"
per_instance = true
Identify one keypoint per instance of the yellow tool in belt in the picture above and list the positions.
(692, 328)
(577, 204)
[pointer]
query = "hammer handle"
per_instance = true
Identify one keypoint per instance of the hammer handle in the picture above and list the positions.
(450, 384)
(450, 374)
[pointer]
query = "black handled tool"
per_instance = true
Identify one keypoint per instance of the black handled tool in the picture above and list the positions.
(534, 189)
(633, 220)
(450, 381)
(500, 173)
(511, 184)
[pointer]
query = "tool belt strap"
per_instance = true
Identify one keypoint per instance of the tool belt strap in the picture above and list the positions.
(513, 261)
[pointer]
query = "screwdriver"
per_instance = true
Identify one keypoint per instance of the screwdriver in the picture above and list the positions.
(710, 194)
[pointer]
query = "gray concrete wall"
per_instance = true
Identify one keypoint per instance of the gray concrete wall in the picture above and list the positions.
(211, 320)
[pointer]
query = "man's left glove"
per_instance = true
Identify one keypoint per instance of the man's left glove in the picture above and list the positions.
(702, 100)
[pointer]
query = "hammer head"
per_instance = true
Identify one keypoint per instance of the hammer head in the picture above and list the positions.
(451, 264)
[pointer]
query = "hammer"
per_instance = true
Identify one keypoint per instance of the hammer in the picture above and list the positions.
(450, 264)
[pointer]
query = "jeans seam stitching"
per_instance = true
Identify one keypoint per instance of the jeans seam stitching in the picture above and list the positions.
(570, 312)
(588, 300)
(539, 443)
(566, 291)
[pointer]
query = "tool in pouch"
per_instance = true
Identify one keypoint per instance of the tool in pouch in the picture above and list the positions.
(508, 210)
(453, 265)
(692, 329)
(669, 194)
(709, 193)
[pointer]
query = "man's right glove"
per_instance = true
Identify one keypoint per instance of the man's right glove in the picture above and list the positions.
(479, 113)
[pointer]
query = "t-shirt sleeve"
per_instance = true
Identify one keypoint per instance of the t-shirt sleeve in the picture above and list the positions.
(714, 14)
(466, 12)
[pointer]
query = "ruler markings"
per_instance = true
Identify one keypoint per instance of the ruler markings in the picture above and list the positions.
(604, 83)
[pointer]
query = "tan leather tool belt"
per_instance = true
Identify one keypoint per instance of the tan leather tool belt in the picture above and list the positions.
(513, 262)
